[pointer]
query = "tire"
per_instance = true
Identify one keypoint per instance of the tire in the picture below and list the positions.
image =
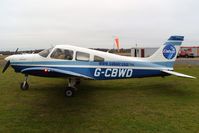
(69, 92)
(24, 86)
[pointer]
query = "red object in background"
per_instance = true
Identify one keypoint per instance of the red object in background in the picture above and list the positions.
(117, 43)
(190, 50)
(182, 53)
(186, 53)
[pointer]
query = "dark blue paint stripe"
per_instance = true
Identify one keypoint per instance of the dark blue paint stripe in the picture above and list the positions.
(110, 63)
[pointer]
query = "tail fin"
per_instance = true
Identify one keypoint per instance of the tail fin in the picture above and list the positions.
(167, 53)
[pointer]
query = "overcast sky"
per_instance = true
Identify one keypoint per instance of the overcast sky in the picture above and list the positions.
(34, 24)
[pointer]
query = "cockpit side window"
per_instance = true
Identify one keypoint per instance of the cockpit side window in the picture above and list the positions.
(98, 59)
(81, 56)
(62, 54)
(46, 52)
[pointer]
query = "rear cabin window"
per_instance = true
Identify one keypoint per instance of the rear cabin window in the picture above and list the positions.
(62, 54)
(98, 59)
(81, 56)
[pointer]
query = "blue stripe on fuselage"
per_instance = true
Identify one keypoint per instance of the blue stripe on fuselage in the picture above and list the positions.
(168, 64)
(102, 73)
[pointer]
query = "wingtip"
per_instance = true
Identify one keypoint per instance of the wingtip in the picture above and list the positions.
(193, 77)
(178, 74)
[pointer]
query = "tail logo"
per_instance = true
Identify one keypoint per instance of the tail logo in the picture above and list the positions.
(169, 51)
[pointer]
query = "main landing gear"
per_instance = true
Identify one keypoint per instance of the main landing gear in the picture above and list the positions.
(71, 89)
(24, 85)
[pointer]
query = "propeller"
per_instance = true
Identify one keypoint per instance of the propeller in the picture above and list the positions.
(6, 66)
(16, 51)
(8, 62)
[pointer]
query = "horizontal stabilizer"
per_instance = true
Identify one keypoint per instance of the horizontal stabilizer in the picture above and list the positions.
(178, 74)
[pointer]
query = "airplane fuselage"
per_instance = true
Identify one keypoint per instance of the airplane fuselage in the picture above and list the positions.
(111, 67)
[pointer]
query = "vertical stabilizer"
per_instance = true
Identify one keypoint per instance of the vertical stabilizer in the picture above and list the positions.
(167, 53)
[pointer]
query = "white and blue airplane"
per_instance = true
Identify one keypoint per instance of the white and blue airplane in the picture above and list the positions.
(75, 63)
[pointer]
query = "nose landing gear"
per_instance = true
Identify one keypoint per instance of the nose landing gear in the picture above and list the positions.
(24, 85)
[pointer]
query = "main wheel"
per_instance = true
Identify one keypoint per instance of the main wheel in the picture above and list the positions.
(69, 92)
(24, 86)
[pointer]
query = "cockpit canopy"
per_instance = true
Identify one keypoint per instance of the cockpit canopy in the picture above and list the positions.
(62, 54)
(70, 54)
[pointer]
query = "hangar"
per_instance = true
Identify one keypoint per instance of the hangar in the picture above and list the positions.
(143, 51)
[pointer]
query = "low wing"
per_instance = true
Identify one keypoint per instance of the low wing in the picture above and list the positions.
(53, 70)
(178, 74)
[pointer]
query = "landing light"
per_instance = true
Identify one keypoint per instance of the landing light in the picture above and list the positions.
(46, 70)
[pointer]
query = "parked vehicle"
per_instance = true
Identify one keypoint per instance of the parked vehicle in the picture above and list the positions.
(186, 53)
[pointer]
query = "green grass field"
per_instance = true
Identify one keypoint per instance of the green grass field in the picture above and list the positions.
(149, 105)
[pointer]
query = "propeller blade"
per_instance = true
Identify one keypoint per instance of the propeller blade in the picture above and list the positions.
(16, 51)
(6, 66)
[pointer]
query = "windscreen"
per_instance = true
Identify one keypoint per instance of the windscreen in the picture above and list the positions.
(46, 52)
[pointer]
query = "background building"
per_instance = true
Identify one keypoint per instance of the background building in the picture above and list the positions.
(185, 51)
(142, 51)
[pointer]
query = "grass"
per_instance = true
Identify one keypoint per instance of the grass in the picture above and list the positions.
(167, 105)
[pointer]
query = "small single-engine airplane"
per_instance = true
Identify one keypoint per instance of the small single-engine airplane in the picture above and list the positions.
(75, 63)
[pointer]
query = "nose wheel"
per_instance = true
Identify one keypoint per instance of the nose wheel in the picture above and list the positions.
(24, 85)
